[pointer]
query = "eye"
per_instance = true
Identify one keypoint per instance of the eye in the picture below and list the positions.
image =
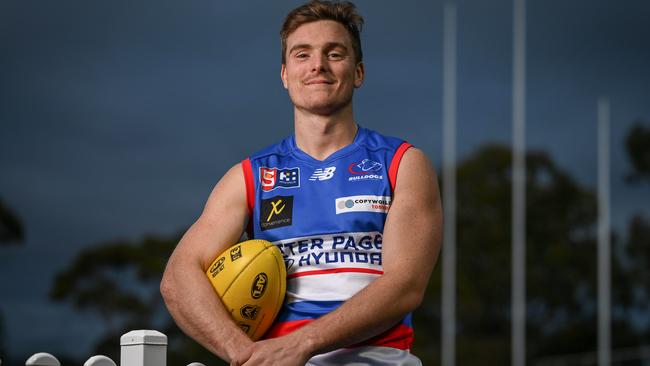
(301, 55)
(334, 56)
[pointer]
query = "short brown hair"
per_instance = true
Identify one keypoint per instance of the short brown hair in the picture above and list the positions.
(343, 12)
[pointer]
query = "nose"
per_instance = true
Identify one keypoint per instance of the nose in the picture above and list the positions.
(319, 63)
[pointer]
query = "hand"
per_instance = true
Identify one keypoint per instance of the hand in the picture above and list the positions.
(277, 351)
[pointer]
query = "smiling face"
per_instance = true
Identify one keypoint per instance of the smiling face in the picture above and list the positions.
(321, 72)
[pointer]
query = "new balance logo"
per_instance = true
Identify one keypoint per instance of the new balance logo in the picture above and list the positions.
(323, 174)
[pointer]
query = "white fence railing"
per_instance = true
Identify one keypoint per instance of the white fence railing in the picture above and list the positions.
(149, 348)
(137, 348)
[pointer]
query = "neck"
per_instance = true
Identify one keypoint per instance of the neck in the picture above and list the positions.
(320, 136)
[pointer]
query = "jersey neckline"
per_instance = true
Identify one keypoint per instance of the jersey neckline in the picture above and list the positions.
(338, 154)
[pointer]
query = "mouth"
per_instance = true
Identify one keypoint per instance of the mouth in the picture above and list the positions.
(319, 82)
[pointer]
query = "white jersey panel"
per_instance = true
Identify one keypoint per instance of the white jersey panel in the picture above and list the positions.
(327, 287)
(366, 356)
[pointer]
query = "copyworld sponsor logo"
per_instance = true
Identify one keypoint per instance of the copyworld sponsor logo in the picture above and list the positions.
(323, 174)
(362, 204)
(364, 170)
(272, 178)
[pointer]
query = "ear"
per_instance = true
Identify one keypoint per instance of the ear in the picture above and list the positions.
(283, 75)
(359, 73)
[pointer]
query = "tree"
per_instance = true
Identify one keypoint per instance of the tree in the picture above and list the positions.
(637, 145)
(3, 351)
(11, 230)
(561, 264)
(119, 282)
(634, 249)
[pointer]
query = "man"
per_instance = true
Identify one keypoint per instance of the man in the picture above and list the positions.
(356, 214)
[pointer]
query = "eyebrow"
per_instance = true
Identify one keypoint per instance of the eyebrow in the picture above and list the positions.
(328, 46)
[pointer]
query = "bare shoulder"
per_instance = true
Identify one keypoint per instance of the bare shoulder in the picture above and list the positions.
(415, 156)
(416, 174)
(415, 197)
(228, 192)
(222, 221)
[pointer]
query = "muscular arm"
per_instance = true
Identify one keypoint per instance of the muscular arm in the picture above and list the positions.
(412, 238)
(188, 294)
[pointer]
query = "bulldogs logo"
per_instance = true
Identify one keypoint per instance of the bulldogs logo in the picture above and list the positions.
(364, 170)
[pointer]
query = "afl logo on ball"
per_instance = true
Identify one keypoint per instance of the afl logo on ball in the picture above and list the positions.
(259, 285)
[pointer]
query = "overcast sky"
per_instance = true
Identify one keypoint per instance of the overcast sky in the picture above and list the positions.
(118, 117)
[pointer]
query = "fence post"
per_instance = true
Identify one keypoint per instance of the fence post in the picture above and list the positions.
(42, 359)
(143, 348)
(99, 360)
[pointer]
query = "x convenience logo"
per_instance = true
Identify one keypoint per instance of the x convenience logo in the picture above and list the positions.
(276, 212)
(276, 209)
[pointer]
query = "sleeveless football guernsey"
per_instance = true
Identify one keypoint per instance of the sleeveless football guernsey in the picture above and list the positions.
(327, 218)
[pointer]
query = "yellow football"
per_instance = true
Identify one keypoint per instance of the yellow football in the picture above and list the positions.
(250, 279)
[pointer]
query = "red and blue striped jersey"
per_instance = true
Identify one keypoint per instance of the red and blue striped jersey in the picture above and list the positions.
(327, 218)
